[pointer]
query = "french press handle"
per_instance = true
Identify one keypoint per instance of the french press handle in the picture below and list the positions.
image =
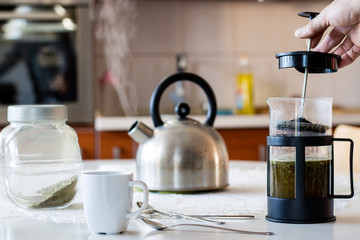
(351, 167)
(182, 76)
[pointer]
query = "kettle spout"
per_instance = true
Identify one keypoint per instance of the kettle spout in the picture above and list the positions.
(140, 132)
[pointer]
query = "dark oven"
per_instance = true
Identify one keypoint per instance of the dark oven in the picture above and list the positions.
(46, 56)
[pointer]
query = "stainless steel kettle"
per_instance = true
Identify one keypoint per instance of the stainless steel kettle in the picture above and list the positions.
(181, 155)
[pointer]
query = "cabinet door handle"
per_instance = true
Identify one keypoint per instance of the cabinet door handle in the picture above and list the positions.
(82, 152)
(116, 152)
(262, 152)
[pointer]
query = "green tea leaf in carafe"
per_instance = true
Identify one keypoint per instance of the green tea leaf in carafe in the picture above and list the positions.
(302, 125)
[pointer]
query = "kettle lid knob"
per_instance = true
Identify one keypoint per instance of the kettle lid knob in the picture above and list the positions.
(182, 110)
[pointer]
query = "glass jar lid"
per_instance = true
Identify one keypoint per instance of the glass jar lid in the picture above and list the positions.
(31, 113)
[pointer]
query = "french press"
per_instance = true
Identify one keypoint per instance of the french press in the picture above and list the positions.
(300, 155)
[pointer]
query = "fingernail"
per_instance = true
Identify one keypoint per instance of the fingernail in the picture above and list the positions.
(299, 32)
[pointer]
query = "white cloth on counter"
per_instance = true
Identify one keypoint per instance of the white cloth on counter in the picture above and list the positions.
(246, 194)
(72, 214)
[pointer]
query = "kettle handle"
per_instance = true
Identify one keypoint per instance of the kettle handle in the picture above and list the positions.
(182, 76)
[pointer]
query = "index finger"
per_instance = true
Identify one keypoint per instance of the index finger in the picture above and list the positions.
(315, 27)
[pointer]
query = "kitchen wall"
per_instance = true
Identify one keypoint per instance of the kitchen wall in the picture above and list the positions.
(214, 34)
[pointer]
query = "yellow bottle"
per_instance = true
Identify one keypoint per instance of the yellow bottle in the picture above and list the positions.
(244, 88)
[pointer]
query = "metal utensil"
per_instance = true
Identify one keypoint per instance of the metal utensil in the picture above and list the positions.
(150, 210)
(223, 216)
(227, 216)
(160, 226)
(310, 15)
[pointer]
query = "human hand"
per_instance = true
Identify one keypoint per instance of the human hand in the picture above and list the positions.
(344, 39)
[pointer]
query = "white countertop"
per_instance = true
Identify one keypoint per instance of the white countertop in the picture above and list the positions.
(225, 121)
(221, 122)
(27, 225)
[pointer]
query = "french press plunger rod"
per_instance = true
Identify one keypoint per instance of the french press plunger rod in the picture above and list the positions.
(310, 15)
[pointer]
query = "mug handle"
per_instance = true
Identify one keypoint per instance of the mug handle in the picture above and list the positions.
(351, 167)
(145, 201)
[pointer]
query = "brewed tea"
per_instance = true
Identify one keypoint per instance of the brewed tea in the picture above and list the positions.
(317, 179)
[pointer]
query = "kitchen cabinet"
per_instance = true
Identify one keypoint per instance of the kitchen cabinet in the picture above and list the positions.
(115, 145)
(105, 144)
(86, 136)
(244, 144)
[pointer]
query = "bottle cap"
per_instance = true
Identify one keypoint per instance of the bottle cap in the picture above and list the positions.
(31, 113)
(244, 61)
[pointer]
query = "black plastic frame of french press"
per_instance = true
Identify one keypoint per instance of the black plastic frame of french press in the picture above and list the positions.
(300, 209)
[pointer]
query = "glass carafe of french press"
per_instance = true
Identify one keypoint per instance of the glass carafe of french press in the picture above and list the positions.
(300, 160)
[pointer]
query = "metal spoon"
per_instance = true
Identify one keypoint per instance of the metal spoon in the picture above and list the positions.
(160, 226)
(150, 210)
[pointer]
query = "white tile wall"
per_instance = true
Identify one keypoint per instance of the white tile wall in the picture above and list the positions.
(214, 34)
(208, 27)
(158, 27)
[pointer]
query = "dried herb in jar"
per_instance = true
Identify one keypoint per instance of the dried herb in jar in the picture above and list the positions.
(58, 194)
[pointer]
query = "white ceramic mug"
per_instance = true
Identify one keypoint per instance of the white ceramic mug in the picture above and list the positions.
(108, 197)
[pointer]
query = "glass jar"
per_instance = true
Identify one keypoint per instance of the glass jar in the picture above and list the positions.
(3, 134)
(42, 156)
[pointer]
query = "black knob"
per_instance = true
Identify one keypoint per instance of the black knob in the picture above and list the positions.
(182, 110)
(309, 15)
